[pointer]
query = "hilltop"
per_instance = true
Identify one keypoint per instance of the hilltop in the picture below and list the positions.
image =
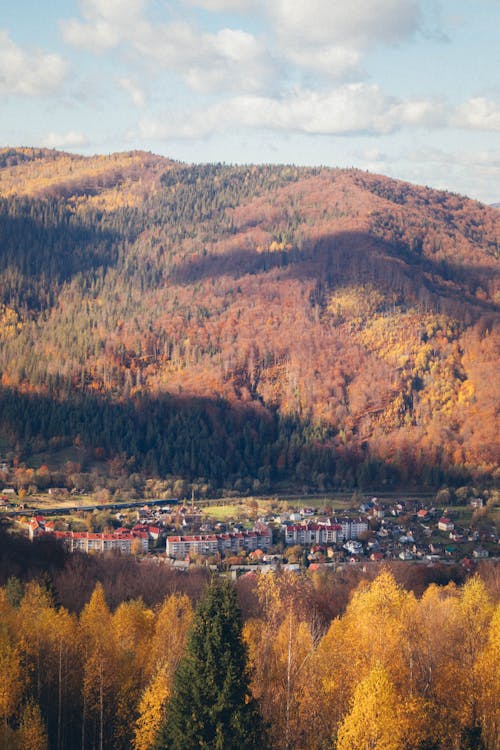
(243, 326)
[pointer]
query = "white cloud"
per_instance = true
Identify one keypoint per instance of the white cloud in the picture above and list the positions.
(233, 61)
(64, 140)
(106, 23)
(335, 62)
(328, 36)
(324, 37)
(34, 73)
(331, 37)
(348, 110)
(134, 90)
(478, 113)
(227, 60)
(421, 113)
(360, 24)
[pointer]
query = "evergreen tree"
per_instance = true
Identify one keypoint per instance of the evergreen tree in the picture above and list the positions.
(211, 707)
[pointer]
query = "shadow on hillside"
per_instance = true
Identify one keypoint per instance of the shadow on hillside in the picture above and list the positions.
(202, 439)
(43, 244)
(354, 258)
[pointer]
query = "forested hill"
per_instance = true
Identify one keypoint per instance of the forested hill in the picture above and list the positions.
(247, 326)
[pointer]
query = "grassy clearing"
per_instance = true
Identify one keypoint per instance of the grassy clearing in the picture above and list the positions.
(225, 512)
(259, 506)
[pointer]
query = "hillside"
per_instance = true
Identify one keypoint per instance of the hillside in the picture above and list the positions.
(245, 326)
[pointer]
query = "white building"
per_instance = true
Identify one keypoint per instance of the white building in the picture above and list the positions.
(313, 533)
(209, 544)
(87, 541)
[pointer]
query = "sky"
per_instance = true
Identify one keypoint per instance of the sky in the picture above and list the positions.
(405, 88)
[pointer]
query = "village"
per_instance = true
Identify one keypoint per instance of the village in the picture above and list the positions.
(184, 535)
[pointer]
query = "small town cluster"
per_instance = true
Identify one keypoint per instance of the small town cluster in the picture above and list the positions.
(377, 531)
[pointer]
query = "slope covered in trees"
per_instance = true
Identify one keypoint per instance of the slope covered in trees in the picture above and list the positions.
(247, 325)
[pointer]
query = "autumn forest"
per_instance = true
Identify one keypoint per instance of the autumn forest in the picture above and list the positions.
(243, 329)
(247, 327)
(391, 670)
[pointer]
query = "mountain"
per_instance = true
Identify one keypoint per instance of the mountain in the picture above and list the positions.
(245, 326)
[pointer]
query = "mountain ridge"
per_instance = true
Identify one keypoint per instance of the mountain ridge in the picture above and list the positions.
(353, 305)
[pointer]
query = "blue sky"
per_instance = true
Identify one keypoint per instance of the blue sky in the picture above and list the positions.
(407, 88)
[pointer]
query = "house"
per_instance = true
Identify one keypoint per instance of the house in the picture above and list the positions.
(476, 502)
(153, 532)
(265, 533)
(480, 553)
(406, 555)
(445, 524)
(36, 527)
(406, 539)
(377, 511)
(354, 547)
(423, 515)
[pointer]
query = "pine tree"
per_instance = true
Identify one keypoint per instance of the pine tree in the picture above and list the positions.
(211, 707)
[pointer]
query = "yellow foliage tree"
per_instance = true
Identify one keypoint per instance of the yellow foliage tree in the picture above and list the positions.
(152, 709)
(11, 681)
(99, 674)
(33, 620)
(165, 650)
(374, 623)
(487, 673)
(280, 649)
(374, 721)
(32, 734)
(476, 610)
(169, 638)
(132, 627)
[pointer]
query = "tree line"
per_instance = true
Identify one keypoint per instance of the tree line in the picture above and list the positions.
(392, 670)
